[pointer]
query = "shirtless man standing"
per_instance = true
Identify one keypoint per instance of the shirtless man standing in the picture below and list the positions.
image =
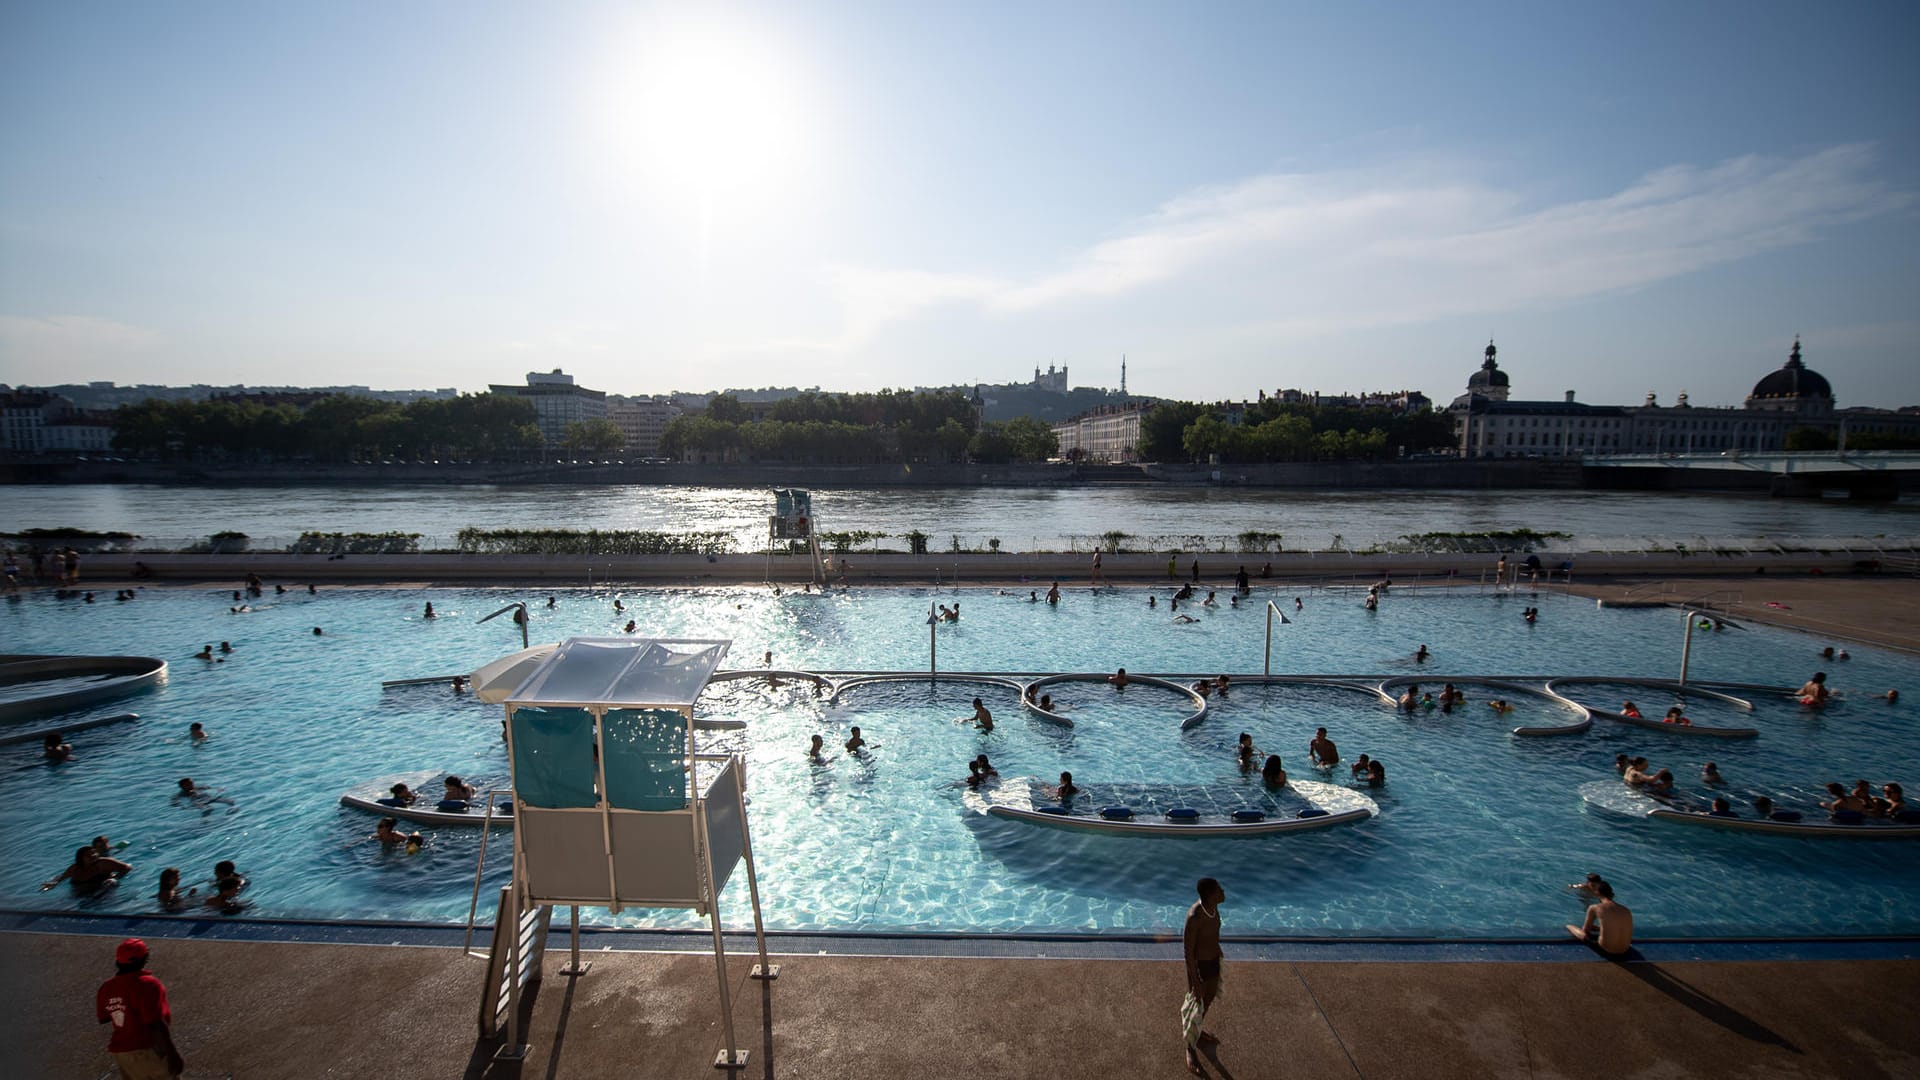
(1322, 750)
(1202, 948)
(1609, 925)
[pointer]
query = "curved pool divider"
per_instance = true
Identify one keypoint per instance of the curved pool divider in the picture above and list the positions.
(1615, 797)
(1707, 730)
(1199, 703)
(983, 679)
(1544, 691)
(368, 795)
(65, 729)
(132, 674)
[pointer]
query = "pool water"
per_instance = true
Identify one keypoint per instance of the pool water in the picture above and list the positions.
(1478, 832)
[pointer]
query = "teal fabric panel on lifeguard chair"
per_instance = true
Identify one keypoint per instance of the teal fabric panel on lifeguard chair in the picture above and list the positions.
(553, 758)
(646, 758)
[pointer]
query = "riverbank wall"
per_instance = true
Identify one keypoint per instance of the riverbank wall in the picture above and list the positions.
(1027, 570)
(1489, 474)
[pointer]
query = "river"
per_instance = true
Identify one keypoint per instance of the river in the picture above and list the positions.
(1022, 519)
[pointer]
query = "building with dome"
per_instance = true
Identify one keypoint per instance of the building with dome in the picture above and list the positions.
(1489, 423)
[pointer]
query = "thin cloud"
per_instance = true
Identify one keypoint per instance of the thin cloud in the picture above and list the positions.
(1331, 251)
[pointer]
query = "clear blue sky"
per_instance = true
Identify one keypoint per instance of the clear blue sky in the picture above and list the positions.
(1336, 196)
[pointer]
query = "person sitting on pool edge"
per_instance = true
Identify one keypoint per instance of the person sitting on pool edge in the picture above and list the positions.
(1322, 751)
(1609, 924)
(1272, 773)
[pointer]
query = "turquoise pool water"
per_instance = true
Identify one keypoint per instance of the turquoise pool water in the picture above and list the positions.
(1478, 830)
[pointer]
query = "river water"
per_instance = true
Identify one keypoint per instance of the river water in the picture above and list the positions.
(1023, 519)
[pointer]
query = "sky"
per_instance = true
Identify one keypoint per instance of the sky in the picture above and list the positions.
(1627, 198)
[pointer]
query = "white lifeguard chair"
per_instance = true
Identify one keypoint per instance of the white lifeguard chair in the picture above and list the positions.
(792, 519)
(611, 805)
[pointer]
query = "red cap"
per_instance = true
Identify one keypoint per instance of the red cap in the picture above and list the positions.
(129, 951)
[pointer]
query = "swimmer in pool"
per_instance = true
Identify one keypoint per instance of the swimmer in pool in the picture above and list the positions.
(1203, 688)
(1450, 696)
(1272, 773)
(1426, 702)
(982, 716)
(983, 769)
(1585, 889)
(1661, 783)
(1046, 702)
(1221, 684)
(1118, 680)
(428, 614)
(1185, 619)
(1710, 774)
(1053, 594)
(170, 897)
(1620, 762)
(56, 749)
(1421, 654)
(415, 842)
(1411, 699)
(1676, 715)
(813, 751)
(1063, 791)
(388, 832)
(1628, 708)
(196, 731)
(1376, 774)
(457, 790)
(1322, 750)
(630, 627)
(1636, 774)
(1500, 705)
(1209, 601)
(402, 795)
(199, 796)
(90, 870)
(1841, 802)
(1245, 752)
(855, 742)
(1360, 767)
(1814, 693)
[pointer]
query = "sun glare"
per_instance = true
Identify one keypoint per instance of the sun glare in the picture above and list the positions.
(709, 113)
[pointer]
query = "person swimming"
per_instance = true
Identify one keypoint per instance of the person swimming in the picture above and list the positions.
(388, 832)
(55, 748)
(1421, 655)
(1376, 774)
(813, 750)
(1710, 774)
(856, 742)
(428, 614)
(1629, 709)
(1244, 752)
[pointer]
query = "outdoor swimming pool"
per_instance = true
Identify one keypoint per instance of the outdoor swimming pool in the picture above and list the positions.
(1478, 830)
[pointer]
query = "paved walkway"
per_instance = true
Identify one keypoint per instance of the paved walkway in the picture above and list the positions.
(260, 1009)
(1882, 610)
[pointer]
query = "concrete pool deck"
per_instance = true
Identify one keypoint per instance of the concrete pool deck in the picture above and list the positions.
(269, 1009)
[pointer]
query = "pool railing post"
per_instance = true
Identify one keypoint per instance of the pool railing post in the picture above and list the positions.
(1266, 666)
(1686, 646)
(933, 642)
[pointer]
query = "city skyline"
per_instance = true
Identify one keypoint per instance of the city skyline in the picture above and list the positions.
(675, 197)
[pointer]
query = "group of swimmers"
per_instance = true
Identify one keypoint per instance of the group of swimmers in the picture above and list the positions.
(1842, 805)
(95, 868)
(1450, 698)
(1321, 751)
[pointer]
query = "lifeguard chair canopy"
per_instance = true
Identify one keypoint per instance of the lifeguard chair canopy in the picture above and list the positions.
(614, 673)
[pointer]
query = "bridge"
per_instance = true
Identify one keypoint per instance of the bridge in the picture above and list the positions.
(1870, 474)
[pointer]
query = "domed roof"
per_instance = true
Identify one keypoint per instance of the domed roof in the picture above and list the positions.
(1793, 380)
(1489, 373)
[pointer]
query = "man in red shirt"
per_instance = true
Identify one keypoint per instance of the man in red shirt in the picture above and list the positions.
(135, 1003)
